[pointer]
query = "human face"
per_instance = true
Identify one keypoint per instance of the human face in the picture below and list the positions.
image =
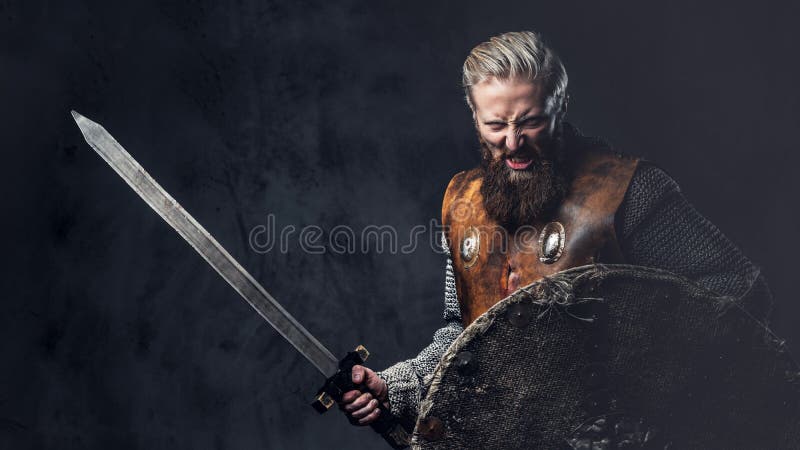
(516, 121)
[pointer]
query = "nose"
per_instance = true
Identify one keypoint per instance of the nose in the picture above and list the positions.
(513, 139)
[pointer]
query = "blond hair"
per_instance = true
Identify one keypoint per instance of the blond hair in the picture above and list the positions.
(518, 54)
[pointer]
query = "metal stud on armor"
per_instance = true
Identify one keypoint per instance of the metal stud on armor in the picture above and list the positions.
(551, 242)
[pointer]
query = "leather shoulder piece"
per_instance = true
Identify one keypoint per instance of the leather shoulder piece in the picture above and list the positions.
(462, 186)
(597, 192)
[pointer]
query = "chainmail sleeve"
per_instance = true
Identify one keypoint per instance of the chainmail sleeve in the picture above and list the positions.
(407, 380)
(657, 227)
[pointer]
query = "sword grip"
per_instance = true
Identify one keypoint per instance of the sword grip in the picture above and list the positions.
(396, 433)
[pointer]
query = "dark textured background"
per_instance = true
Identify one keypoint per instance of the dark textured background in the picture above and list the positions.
(116, 335)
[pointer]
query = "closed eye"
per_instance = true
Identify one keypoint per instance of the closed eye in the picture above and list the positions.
(532, 122)
(495, 126)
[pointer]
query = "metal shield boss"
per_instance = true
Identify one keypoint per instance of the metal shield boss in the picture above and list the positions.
(615, 356)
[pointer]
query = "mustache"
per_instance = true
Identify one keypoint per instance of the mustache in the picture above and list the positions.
(539, 162)
(526, 152)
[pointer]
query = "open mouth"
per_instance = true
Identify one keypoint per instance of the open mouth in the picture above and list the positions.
(518, 163)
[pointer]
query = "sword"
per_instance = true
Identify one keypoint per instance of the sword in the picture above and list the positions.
(337, 372)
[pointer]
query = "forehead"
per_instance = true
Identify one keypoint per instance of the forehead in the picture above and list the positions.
(507, 98)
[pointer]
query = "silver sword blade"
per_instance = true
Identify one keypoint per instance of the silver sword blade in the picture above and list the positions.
(154, 195)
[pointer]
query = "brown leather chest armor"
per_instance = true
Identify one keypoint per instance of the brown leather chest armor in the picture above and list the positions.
(491, 262)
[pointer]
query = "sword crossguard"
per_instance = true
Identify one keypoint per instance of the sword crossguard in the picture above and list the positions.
(387, 425)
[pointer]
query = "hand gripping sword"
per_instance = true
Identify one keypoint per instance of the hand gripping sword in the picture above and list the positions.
(337, 372)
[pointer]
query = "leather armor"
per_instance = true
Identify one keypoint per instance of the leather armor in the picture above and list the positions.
(494, 262)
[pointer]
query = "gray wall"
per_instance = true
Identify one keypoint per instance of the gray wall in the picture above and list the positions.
(116, 335)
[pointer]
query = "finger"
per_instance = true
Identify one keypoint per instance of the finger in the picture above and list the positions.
(350, 396)
(369, 418)
(359, 403)
(357, 374)
(373, 382)
(364, 412)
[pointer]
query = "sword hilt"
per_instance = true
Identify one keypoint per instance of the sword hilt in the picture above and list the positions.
(394, 431)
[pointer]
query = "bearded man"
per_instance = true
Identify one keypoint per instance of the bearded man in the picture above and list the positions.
(546, 199)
